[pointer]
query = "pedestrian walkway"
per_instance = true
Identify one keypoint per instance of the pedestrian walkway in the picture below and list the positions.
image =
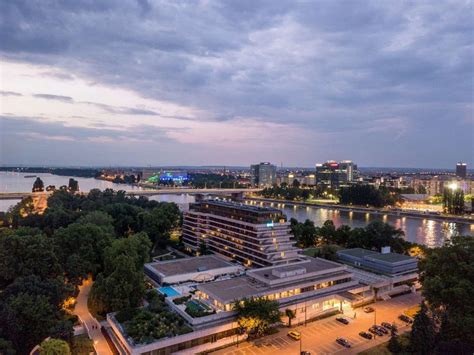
(90, 323)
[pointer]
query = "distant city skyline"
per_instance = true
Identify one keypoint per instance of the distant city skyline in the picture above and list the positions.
(139, 83)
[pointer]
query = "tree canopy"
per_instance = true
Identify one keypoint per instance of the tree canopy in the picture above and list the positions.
(44, 257)
(255, 315)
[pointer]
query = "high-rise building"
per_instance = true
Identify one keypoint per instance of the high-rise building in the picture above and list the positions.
(336, 174)
(461, 170)
(263, 175)
(252, 235)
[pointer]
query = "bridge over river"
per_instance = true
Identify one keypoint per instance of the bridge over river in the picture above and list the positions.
(144, 192)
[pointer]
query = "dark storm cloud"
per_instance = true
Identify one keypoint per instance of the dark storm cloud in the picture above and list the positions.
(349, 67)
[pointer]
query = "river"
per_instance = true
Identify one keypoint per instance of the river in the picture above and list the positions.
(423, 231)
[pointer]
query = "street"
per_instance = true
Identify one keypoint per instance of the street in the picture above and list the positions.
(92, 326)
(319, 337)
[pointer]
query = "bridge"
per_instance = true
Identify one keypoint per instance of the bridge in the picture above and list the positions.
(143, 192)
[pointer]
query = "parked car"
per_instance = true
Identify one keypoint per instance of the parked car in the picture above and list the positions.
(304, 352)
(389, 326)
(342, 320)
(293, 334)
(405, 318)
(375, 331)
(343, 342)
(365, 335)
(382, 329)
(369, 309)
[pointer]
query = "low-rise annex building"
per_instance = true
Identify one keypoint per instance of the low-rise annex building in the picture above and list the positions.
(384, 274)
(198, 269)
(311, 288)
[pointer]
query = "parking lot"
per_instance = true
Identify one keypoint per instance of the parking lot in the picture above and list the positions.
(319, 337)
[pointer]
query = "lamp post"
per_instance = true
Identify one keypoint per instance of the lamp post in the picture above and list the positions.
(375, 321)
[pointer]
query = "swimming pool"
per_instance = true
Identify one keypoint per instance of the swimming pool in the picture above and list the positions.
(169, 291)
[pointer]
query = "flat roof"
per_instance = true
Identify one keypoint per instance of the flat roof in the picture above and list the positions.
(189, 265)
(310, 266)
(232, 289)
(240, 206)
(391, 257)
(357, 252)
(370, 254)
(236, 288)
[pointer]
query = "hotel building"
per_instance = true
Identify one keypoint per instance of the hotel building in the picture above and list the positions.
(310, 288)
(254, 236)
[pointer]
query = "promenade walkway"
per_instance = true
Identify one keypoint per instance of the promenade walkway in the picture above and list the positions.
(90, 323)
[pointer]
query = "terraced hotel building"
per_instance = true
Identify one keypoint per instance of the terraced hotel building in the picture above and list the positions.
(254, 236)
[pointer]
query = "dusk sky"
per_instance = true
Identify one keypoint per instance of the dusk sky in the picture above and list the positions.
(383, 83)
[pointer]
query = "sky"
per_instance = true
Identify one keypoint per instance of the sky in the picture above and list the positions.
(137, 82)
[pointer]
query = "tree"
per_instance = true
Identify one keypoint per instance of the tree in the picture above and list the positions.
(447, 276)
(328, 252)
(27, 320)
(54, 347)
(123, 288)
(255, 315)
(6, 347)
(88, 242)
(290, 314)
(100, 219)
(453, 201)
(23, 255)
(121, 285)
(421, 190)
(326, 232)
(394, 344)
(38, 185)
(422, 339)
(73, 185)
(137, 246)
(159, 222)
(203, 250)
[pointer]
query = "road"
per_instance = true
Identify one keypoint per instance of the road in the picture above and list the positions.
(91, 324)
(319, 337)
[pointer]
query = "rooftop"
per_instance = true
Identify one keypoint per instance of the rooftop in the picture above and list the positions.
(311, 265)
(391, 257)
(227, 291)
(240, 206)
(189, 265)
(370, 254)
(357, 252)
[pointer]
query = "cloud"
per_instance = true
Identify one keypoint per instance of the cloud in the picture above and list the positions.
(54, 97)
(122, 110)
(9, 93)
(330, 69)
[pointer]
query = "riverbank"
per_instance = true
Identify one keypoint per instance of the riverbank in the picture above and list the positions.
(371, 210)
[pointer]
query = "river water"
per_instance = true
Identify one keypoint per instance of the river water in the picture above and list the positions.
(423, 231)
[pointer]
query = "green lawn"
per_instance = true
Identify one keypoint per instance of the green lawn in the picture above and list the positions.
(310, 251)
(82, 345)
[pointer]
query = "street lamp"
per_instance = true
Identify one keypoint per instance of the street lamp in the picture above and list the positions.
(375, 321)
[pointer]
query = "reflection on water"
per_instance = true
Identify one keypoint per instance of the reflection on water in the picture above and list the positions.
(424, 231)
